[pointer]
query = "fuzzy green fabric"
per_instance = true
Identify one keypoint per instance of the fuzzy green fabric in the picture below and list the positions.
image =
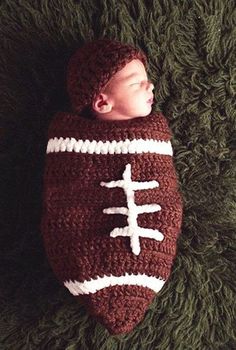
(191, 47)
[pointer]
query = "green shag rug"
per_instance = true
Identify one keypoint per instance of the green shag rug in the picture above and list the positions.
(191, 47)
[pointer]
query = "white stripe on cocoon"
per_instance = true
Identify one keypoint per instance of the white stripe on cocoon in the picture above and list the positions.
(94, 285)
(109, 147)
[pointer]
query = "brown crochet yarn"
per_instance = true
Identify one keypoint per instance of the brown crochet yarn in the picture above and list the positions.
(112, 213)
(93, 65)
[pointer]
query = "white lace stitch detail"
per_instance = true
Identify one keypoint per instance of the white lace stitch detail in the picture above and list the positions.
(94, 285)
(132, 211)
(109, 147)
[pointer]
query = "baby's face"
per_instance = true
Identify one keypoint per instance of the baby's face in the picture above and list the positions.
(128, 94)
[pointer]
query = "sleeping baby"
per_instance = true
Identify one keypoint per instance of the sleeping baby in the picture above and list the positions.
(112, 210)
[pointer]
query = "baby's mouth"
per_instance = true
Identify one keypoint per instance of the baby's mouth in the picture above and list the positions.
(150, 100)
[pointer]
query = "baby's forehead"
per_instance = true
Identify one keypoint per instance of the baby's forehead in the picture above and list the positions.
(130, 70)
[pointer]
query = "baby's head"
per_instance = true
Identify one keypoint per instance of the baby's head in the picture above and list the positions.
(109, 79)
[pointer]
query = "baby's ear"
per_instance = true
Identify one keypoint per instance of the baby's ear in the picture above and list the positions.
(101, 104)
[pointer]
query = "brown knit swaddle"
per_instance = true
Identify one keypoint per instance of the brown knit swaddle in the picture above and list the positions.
(112, 213)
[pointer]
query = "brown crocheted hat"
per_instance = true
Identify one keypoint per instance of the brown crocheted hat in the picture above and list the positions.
(92, 66)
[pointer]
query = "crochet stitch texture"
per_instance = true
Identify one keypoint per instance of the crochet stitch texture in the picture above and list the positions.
(112, 213)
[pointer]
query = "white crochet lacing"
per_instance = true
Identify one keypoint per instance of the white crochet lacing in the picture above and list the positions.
(132, 211)
(109, 147)
(95, 284)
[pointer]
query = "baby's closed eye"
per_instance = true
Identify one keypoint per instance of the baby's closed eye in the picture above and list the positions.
(140, 82)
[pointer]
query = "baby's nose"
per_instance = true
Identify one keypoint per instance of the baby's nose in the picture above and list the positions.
(150, 85)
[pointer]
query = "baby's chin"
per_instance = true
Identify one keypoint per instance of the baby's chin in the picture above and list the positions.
(123, 117)
(143, 115)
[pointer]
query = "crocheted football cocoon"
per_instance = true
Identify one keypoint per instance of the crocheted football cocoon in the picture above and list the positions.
(112, 213)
